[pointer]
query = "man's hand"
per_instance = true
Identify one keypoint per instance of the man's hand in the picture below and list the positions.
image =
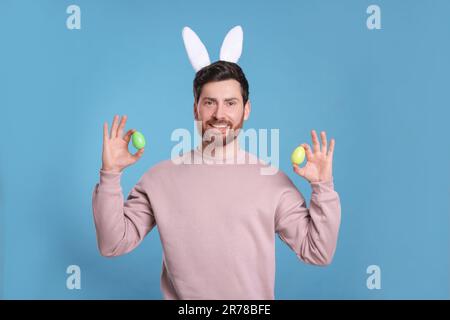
(116, 156)
(318, 167)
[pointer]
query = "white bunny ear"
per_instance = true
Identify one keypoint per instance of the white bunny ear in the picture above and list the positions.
(196, 50)
(232, 45)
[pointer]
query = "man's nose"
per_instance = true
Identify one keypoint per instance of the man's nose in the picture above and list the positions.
(220, 111)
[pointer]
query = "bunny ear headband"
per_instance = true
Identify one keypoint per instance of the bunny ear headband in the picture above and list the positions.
(198, 55)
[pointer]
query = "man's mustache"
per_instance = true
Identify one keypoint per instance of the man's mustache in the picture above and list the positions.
(220, 122)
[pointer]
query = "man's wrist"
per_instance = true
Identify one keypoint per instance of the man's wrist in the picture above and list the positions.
(110, 170)
(322, 186)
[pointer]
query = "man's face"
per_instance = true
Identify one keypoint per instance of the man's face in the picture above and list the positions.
(221, 110)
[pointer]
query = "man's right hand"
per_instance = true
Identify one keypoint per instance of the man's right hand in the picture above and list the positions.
(116, 156)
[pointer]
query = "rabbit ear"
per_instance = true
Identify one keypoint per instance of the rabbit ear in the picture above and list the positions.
(196, 50)
(232, 45)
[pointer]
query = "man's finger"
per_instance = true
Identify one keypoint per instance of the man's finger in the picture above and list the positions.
(315, 141)
(114, 127)
(123, 121)
(307, 151)
(138, 154)
(105, 132)
(323, 137)
(298, 170)
(331, 149)
(128, 135)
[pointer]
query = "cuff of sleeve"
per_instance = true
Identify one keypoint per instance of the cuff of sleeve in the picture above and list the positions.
(322, 186)
(110, 180)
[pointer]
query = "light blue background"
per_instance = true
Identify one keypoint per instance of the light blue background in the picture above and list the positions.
(382, 94)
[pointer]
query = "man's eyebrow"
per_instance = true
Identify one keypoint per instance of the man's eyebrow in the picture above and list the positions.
(214, 99)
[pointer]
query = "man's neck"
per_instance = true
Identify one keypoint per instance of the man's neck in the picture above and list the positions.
(220, 152)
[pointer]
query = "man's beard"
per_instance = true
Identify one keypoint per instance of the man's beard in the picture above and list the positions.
(216, 136)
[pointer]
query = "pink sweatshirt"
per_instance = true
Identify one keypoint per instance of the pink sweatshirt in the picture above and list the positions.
(217, 223)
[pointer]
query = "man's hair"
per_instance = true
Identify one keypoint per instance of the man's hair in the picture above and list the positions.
(218, 71)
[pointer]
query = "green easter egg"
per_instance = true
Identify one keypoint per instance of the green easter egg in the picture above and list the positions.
(138, 140)
(298, 155)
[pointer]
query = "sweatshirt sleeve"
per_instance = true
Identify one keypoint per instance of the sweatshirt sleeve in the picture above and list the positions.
(120, 225)
(311, 233)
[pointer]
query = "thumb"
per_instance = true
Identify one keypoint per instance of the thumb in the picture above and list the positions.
(298, 170)
(138, 154)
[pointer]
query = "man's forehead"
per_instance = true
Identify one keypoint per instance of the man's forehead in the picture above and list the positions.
(222, 90)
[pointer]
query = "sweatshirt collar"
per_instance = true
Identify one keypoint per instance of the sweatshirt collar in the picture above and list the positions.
(225, 154)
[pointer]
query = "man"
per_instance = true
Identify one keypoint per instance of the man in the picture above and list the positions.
(217, 219)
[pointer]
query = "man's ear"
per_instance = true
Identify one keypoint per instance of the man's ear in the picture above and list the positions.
(247, 109)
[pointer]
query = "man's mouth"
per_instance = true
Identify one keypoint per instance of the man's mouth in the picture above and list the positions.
(221, 126)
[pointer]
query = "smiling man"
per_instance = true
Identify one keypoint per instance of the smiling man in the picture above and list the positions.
(221, 105)
(217, 220)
